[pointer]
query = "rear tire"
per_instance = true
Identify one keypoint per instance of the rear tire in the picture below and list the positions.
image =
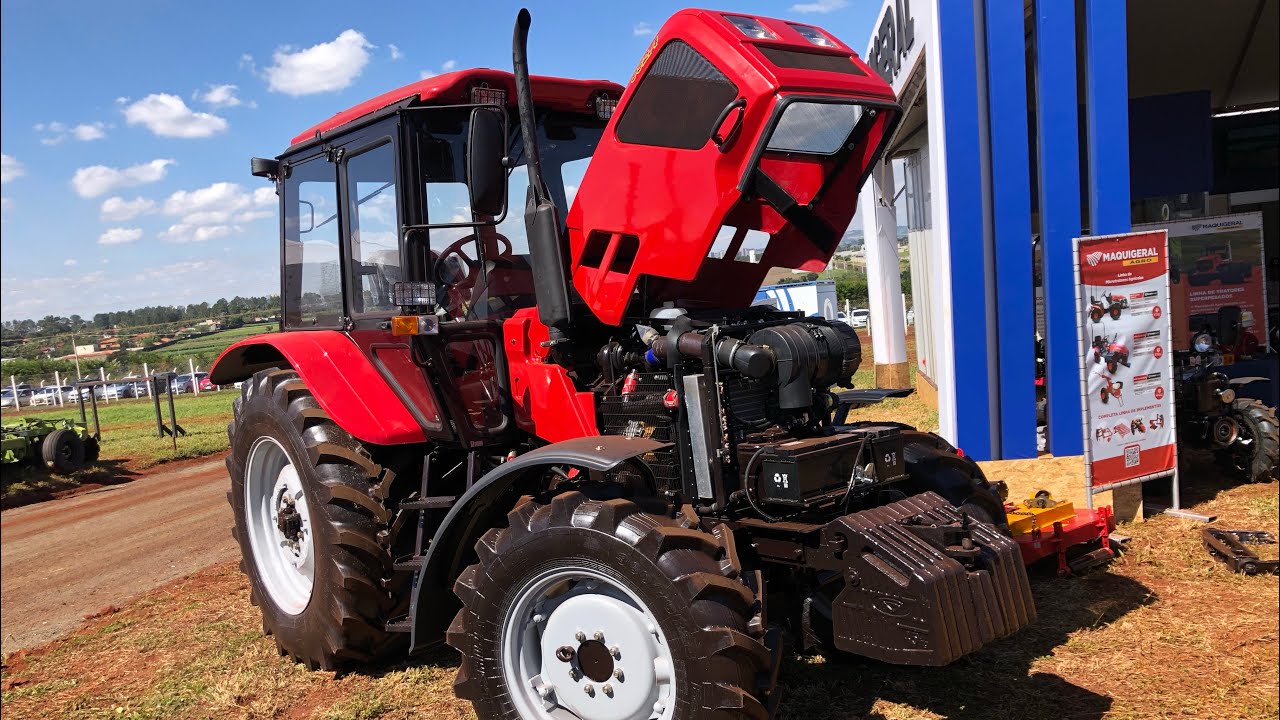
(62, 451)
(679, 583)
(309, 543)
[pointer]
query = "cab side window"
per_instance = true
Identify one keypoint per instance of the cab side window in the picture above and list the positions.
(375, 242)
(312, 263)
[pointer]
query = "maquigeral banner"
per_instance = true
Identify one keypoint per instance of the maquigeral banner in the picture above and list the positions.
(1125, 356)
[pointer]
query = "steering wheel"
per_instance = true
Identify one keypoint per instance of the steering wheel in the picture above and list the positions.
(458, 248)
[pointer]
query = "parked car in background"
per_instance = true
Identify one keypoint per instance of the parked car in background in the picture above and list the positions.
(137, 386)
(9, 399)
(860, 317)
(49, 394)
(206, 385)
(185, 383)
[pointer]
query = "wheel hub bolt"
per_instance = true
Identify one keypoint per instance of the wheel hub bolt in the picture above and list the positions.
(615, 652)
(580, 636)
(589, 689)
(599, 635)
(617, 673)
(608, 689)
(564, 653)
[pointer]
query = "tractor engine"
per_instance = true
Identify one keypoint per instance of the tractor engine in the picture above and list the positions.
(755, 394)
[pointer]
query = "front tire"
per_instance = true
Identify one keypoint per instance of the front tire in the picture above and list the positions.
(308, 523)
(564, 571)
(1258, 422)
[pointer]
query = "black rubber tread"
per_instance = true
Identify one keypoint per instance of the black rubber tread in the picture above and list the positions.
(343, 623)
(958, 479)
(910, 434)
(709, 616)
(1262, 425)
(62, 451)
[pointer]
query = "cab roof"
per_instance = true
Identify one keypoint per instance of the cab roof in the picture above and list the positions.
(455, 88)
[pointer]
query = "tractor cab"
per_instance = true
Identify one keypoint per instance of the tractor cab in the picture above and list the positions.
(402, 201)
(382, 193)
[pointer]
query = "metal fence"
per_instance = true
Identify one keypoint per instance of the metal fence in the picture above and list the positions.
(59, 390)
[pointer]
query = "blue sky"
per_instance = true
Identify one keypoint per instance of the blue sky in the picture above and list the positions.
(126, 128)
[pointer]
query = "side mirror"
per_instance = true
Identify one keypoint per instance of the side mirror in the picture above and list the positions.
(486, 162)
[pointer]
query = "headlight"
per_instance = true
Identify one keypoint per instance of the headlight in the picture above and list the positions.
(751, 27)
(1227, 396)
(1203, 343)
(813, 35)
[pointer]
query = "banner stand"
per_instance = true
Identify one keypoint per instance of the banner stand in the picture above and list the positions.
(1123, 327)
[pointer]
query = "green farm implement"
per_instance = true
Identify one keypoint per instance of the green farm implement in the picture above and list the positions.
(64, 446)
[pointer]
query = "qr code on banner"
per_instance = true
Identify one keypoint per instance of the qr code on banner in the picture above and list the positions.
(1131, 454)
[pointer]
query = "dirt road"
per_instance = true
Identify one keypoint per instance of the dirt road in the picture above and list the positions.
(64, 559)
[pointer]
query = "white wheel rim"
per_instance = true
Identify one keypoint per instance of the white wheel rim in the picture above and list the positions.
(282, 550)
(620, 668)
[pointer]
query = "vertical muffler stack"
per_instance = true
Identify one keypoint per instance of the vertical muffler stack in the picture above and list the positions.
(924, 584)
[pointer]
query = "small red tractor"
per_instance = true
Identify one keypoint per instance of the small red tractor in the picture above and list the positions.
(1110, 305)
(570, 432)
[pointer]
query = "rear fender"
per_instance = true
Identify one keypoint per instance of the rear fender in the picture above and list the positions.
(343, 380)
(482, 507)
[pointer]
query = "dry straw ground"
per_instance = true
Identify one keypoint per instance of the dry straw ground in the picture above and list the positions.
(1164, 632)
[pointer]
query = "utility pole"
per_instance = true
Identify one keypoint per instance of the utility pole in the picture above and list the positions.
(76, 349)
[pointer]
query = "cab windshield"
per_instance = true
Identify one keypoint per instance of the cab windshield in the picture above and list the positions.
(485, 271)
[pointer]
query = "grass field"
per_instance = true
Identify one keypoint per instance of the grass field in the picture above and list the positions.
(129, 442)
(1163, 632)
(217, 342)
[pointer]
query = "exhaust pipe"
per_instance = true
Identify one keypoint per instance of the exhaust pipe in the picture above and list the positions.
(541, 218)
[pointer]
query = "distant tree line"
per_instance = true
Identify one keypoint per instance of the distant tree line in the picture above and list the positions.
(54, 335)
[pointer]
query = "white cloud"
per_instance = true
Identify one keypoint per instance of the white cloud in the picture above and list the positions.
(446, 66)
(55, 132)
(642, 29)
(215, 211)
(117, 209)
(819, 6)
(70, 262)
(395, 51)
(97, 180)
(10, 168)
(320, 68)
(188, 233)
(120, 236)
(220, 96)
(168, 116)
(86, 132)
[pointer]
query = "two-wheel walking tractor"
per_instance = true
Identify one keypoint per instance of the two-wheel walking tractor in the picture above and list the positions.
(565, 443)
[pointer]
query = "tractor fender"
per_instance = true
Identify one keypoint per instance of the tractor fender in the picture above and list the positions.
(343, 380)
(479, 509)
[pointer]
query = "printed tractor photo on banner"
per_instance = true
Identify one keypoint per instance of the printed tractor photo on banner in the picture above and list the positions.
(1125, 370)
(1217, 262)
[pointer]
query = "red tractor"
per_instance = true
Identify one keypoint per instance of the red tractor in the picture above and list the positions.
(570, 432)
(1216, 263)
